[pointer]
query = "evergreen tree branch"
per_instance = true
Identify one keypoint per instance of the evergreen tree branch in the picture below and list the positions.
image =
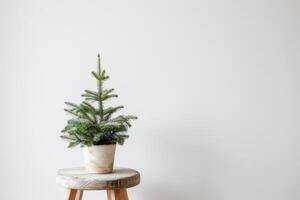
(100, 103)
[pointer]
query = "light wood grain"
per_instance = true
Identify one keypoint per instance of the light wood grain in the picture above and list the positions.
(78, 178)
(118, 194)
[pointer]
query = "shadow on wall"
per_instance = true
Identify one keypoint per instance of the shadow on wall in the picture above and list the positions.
(184, 166)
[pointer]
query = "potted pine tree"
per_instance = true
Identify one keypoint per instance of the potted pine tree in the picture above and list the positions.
(94, 127)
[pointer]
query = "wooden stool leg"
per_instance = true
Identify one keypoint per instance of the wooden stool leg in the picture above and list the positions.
(118, 194)
(71, 194)
(74, 194)
(79, 194)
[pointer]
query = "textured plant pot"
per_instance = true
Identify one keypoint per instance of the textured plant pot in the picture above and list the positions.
(99, 158)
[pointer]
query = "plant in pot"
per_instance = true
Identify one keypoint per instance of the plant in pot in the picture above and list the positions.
(94, 127)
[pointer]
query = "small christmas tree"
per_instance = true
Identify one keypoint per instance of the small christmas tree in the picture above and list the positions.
(92, 125)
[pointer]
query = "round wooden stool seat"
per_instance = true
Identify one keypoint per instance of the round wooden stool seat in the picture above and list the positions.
(78, 178)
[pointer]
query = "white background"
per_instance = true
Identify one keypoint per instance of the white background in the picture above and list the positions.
(215, 85)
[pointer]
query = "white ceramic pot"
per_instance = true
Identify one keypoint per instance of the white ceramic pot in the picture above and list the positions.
(99, 158)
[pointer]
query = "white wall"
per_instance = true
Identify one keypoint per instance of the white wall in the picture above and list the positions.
(215, 85)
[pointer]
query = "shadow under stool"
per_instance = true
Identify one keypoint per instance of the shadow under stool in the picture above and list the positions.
(76, 180)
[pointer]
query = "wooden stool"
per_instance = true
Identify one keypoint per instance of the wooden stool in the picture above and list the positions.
(76, 180)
